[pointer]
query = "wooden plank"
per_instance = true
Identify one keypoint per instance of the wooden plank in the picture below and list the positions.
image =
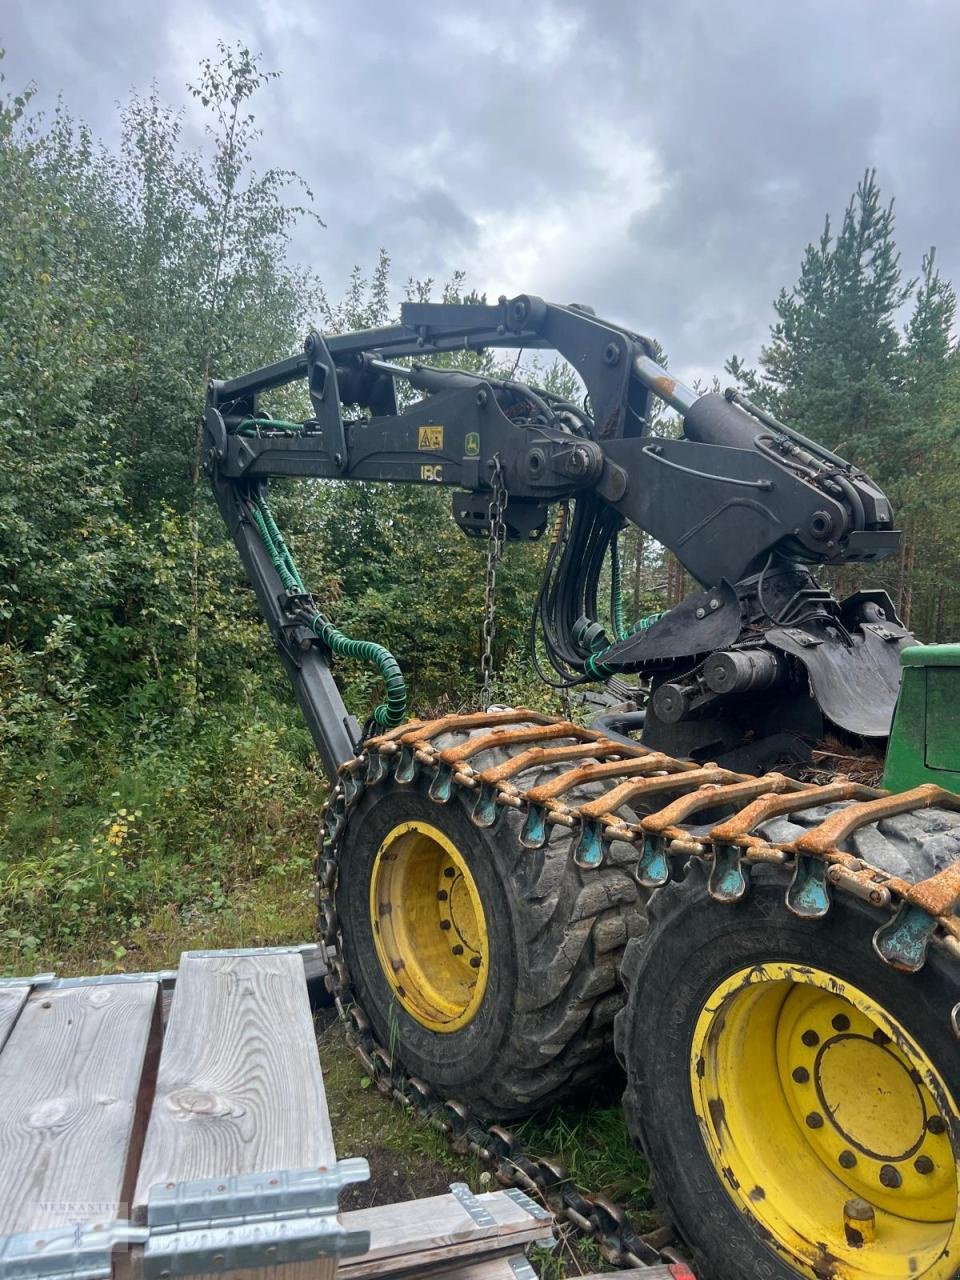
(417, 1234)
(69, 1081)
(239, 1088)
(12, 1000)
(635, 1273)
(497, 1268)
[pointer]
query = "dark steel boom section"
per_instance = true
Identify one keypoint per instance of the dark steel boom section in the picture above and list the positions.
(739, 497)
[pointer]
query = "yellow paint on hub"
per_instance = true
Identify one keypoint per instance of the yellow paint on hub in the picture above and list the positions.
(811, 1097)
(429, 927)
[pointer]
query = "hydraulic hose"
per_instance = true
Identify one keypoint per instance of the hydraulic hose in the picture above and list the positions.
(389, 713)
(394, 710)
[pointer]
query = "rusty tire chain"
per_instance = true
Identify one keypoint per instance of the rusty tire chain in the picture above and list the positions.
(497, 533)
(919, 914)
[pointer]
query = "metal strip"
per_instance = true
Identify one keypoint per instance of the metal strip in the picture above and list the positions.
(528, 1205)
(38, 980)
(481, 1216)
(217, 1202)
(249, 1244)
(522, 1269)
(111, 979)
(252, 951)
(75, 1252)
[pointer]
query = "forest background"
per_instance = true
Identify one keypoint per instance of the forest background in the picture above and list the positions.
(156, 781)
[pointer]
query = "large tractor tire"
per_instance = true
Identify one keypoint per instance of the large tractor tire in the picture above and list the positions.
(790, 1031)
(797, 1098)
(488, 969)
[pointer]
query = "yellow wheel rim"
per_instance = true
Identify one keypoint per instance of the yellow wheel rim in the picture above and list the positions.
(828, 1126)
(428, 927)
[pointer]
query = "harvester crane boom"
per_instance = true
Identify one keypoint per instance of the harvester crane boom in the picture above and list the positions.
(745, 503)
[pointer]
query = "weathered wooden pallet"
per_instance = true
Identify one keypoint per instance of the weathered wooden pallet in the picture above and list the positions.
(145, 1147)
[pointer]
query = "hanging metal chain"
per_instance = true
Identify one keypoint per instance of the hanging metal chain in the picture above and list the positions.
(497, 532)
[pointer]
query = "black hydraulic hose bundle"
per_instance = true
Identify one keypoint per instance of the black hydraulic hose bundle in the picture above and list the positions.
(566, 609)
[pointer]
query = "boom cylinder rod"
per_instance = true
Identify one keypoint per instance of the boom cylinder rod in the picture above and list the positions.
(672, 392)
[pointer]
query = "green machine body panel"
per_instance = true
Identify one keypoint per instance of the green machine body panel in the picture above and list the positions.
(925, 741)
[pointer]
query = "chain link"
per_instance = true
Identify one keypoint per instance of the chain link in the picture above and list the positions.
(497, 534)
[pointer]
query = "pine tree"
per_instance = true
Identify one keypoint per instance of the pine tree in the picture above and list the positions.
(838, 367)
(832, 366)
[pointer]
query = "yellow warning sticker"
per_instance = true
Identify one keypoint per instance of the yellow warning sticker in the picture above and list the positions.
(430, 438)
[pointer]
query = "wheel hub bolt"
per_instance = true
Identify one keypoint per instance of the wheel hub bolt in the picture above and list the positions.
(937, 1124)
(847, 1159)
(890, 1177)
(475, 962)
(801, 1075)
(814, 1120)
(841, 1022)
(859, 1222)
(923, 1164)
(810, 1039)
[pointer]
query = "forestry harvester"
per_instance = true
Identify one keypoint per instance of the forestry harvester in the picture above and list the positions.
(510, 899)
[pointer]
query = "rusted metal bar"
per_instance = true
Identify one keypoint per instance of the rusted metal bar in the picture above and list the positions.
(737, 830)
(510, 737)
(827, 837)
(629, 791)
(666, 819)
(478, 720)
(597, 772)
(546, 756)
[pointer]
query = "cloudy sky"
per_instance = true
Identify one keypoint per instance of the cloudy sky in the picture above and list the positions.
(665, 163)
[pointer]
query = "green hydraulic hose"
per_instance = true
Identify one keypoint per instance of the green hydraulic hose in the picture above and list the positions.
(290, 579)
(278, 542)
(643, 623)
(394, 710)
(389, 713)
(616, 590)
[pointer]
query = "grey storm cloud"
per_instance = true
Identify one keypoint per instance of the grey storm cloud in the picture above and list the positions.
(666, 164)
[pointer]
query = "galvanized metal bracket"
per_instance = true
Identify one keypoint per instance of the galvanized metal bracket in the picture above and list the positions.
(528, 1205)
(522, 1269)
(481, 1216)
(38, 980)
(210, 1202)
(250, 1220)
(80, 1251)
(112, 979)
(253, 951)
(249, 1244)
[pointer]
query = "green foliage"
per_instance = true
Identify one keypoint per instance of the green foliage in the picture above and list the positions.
(150, 751)
(840, 368)
(140, 692)
(596, 1150)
